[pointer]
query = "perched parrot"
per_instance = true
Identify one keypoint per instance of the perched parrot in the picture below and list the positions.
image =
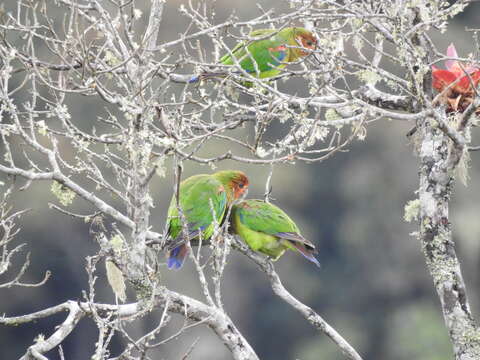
(201, 198)
(270, 53)
(267, 229)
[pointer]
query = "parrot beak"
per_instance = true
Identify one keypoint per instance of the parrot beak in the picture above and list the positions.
(242, 197)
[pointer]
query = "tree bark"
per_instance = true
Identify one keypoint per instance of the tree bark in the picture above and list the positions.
(439, 156)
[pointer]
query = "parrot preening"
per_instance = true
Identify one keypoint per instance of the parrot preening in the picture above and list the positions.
(266, 57)
(268, 229)
(203, 200)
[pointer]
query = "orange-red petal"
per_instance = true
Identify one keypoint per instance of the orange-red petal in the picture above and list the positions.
(465, 83)
(442, 78)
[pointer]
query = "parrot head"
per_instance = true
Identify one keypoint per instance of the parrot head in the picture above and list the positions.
(235, 181)
(306, 40)
(240, 186)
(457, 82)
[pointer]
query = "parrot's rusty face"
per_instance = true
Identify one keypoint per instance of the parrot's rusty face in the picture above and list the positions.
(240, 186)
(308, 41)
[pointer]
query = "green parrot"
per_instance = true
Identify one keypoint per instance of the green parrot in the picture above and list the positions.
(270, 53)
(202, 199)
(268, 229)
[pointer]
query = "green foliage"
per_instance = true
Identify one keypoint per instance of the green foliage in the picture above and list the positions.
(412, 210)
(368, 76)
(62, 193)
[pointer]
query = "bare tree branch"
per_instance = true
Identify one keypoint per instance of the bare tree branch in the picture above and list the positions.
(308, 313)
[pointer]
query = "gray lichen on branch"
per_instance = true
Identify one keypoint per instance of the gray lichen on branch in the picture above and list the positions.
(437, 149)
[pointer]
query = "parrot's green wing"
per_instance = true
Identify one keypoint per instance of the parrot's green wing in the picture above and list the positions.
(267, 53)
(266, 228)
(267, 218)
(202, 198)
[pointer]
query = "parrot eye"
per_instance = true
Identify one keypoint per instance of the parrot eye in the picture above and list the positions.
(309, 42)
(241, 185)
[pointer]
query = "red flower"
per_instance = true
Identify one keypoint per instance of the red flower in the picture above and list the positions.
(455, 83)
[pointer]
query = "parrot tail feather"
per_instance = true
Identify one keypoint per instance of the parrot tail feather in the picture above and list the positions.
(194, 79)
(176, 257)
(307, 253)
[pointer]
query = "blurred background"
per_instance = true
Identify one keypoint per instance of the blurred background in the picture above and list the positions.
(373, 286)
